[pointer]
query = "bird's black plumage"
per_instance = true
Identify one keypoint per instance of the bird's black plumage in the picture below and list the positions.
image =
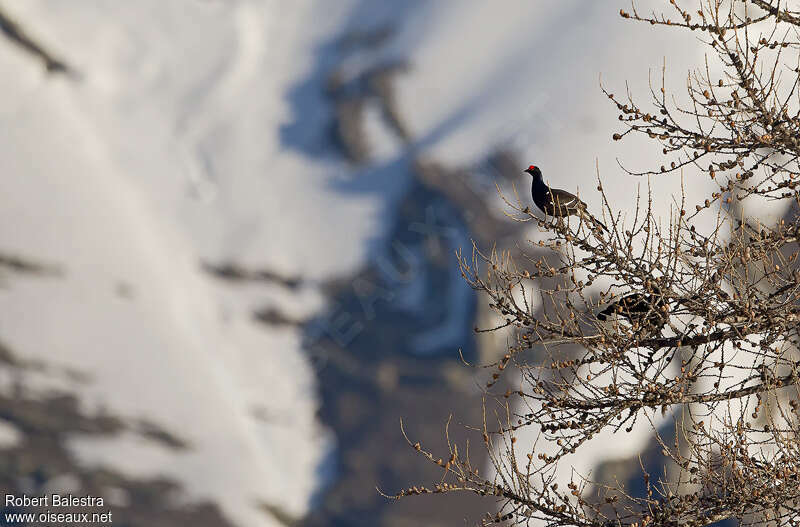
(641, 308)
(556, 202)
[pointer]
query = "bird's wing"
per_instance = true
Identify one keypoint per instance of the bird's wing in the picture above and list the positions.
(566, 199)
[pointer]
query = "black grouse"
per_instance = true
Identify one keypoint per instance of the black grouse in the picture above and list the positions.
(556, 202)
(640, 308)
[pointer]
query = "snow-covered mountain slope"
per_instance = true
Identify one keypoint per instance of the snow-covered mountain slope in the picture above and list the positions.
(528, 76)
(196, 132)
(163, 154)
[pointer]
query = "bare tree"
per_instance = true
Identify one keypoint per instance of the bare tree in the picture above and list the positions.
(696, 322)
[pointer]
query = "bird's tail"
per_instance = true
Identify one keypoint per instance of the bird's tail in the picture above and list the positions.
(600, 224)
(603, 315)
(584, 214)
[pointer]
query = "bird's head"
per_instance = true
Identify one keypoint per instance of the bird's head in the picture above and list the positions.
(534, 171)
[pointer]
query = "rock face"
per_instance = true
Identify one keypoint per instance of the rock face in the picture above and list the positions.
(36, 460)
(389, 347)
(386, 349)
(16, 34)
(389, 343)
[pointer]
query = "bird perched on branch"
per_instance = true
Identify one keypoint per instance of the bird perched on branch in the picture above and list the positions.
(556, 202)
(639, 308)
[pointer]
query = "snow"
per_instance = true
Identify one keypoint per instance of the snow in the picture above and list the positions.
(165, 153)
(9, 435)
(189, 137)
(528, 76)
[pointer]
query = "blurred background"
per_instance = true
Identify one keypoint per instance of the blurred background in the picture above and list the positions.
(228, 233)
